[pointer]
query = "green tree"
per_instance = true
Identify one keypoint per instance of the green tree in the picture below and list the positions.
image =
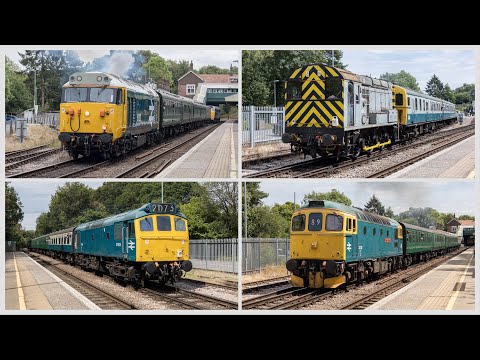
(448, 94)
(435, 87)
(465, 94)
(212, 69)
(261, 67)
(156, 68)
(402, 78)
(389, 213)
(225, 196)
(178, 69)
(285, 212)
(265, 223)
(69, 203)
(18, 96)
(333, 195)
(254, 194)
(424, 217)
(374, 205)
(13, 213)
(50, 67)
(466, 217)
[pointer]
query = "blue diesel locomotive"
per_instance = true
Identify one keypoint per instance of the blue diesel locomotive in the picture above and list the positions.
(149, 243)
(333, 244)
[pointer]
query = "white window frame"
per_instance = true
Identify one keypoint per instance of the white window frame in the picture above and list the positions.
(189, 88)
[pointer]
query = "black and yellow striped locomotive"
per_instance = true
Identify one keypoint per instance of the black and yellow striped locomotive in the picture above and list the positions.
(103, 114)
(331, 111)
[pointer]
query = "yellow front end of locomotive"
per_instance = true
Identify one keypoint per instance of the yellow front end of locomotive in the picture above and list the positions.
(94, 117)
(162, 238)
(317, 236)
(400, 101)
(318, 245)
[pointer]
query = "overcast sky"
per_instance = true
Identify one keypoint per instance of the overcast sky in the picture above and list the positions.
(445, 196)
(454, 67)
(200, 57)
(36, 195)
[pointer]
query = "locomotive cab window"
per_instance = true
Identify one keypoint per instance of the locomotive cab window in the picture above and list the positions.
(75, 94)
(103, 95)
(315, 222)
(333, 88)
(180, 225)
(334, 223)
(131, 229)
(294, 90)
(298, 223)
(146, 224)
(163, 223)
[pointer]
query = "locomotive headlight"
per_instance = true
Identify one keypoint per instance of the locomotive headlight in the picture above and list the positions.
(79, 78)
(63, 110)
(99, 78)
(87, 113)
(104, 128)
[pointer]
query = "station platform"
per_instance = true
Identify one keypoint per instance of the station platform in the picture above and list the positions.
(450, 286)
(457, 161)
(30, 286)
(213, 157)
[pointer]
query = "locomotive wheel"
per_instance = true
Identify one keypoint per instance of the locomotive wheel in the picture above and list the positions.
(74, 155)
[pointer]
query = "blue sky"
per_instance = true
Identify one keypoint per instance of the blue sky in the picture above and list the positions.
(200, 57)
(454, 67)
(36, 195)
(445, 196)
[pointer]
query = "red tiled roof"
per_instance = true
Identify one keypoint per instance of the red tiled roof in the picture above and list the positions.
(215, 78)
(467, 222)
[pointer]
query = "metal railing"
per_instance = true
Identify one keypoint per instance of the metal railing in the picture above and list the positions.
(211, 254)
(260, 253)
(262, 124)
(49, 119)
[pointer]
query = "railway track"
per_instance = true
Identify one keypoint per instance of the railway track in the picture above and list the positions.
(77, 168)
(250, 160)
(389, 286)
(15, 161)
(264, 284)
(296, 298)
(190, 300)
(98, 296)
(208, 283)
(399, 166)
(9, 154)
(144, 169)
(325, 167)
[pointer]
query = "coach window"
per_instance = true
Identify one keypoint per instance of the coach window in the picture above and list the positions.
(334, 223)
(416, 104)
(93, 236)
(131, 230)
(146, 224)
(298, 223)
(364, 230)
(374, 231)
(354, 225)
(180, 225)
(408, 99)
(108, 236)
(315, 222)
(163, 223)
(381, 232)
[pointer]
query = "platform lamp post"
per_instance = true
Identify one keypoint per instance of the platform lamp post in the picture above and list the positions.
(275, 93)
(333, 58)
(35, 92)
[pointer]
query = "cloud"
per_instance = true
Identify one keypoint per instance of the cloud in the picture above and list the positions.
(90, 55)
(454, 67)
